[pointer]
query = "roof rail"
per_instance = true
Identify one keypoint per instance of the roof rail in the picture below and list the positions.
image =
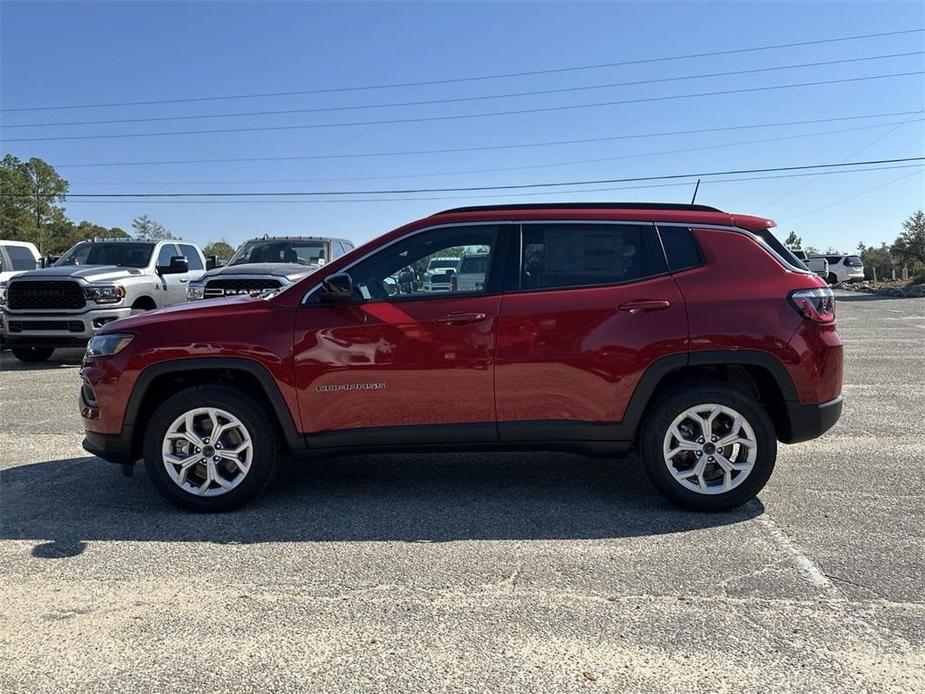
(584, 206)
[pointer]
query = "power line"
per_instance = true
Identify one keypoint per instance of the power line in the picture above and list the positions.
(483, 148)
(461, 99)
(855, 153)
(423, 119)
(582, 191)
(457, 80)
(544, 165)
(852, 197)
(517, 186)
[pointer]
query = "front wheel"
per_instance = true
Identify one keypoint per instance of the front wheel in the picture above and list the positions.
(708, 447)
(210, 448)
(32, 354)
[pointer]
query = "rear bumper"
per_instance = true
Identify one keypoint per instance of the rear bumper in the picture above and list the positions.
(113, 448)
(811, 421)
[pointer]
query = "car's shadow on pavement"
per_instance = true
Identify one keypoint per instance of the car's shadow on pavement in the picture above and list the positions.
(62, 358)
(411, 498)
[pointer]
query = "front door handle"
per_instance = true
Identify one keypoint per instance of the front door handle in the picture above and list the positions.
(461, 318)
(644, 306)
(184, 279)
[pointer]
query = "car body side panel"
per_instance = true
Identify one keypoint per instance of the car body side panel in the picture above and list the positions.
(745, 307)
(238, 328)
(384, 363)
(573, 355)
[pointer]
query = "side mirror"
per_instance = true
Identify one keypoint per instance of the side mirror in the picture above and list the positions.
(178, 265)
(211, 262)
(338, 288)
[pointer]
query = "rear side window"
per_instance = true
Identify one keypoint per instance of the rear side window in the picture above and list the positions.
(833, 259)
(190, 253)
(577, 255)
(21, 258)
(681, 248)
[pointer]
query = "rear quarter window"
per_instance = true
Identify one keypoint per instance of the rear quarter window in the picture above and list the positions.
(681, 248)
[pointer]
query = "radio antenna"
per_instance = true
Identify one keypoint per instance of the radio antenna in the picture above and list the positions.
(696, 188)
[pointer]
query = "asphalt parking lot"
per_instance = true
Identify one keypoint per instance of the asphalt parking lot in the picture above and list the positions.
(527, 572)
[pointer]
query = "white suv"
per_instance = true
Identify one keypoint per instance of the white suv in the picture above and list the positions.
(844, 268)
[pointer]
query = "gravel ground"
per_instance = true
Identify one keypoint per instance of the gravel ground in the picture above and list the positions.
(526, 572)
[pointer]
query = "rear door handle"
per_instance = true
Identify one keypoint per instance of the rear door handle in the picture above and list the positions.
(644, 306)
(184, 279)
(461, 318)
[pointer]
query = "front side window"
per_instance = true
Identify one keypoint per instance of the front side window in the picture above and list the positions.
(405, 269)
(21, 258)
(123, 254)
(577, 254)
(168, 251)
(190, 253)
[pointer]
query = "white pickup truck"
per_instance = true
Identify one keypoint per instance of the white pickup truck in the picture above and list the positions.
(94, 283)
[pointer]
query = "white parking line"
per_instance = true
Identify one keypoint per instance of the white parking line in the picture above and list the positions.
(812, 573)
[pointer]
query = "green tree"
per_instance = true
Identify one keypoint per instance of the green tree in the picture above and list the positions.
(221, 249)
(876, 261)
(30, 204)
(910, 244)
(146, 228)
(793, 241)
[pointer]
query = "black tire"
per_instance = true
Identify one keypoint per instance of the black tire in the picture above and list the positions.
(251, 415)
(33, 354)
(832, 278)
(660, 417)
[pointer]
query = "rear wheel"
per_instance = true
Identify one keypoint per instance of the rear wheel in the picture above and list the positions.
(708, 447)
(210, 448)
(32, 354)
(832, 278)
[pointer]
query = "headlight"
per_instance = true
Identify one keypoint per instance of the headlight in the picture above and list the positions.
(105, 293)
(109, 344)
(194, 292)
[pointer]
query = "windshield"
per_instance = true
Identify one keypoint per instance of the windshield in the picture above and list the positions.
(442, 264)
(308, 252)
(123, 254)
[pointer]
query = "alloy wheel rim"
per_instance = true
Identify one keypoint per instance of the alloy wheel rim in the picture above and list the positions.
(710, 449)
(207, 451)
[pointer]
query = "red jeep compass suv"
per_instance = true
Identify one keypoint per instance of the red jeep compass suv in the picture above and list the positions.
(687, 332)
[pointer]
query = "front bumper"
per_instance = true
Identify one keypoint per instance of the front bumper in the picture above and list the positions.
(48, 329)
(811, 421)
(113, 448)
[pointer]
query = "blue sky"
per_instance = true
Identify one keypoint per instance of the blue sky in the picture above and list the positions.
(79, 53)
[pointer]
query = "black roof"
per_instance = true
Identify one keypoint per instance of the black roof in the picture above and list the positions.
(586, 206)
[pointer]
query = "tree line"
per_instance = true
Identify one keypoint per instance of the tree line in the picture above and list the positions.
(32, 195)
(908, 249)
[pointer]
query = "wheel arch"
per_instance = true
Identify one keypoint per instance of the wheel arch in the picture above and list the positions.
(760, 374)
(145, 302)
(157, 382)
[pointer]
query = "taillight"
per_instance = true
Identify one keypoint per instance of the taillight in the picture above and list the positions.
(814, 304)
